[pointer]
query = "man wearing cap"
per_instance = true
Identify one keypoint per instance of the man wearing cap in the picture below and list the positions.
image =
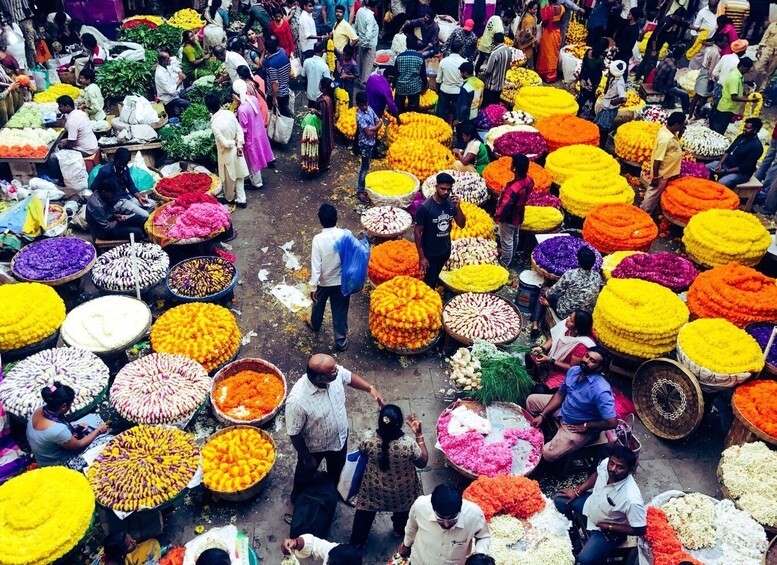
(614, 97)
(468, 39)
(114, 182)
(728, 63)
(666, 159)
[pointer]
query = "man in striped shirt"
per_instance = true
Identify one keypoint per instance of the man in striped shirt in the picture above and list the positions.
(496, 69)
(278, 68)
(19, 11)
(411, 80)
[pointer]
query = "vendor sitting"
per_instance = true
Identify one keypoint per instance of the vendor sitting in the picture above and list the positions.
(94, 54)
(55, 441)
(309, 546)
(115, 182)
(474, 158)
(80, 136)
(91, 98)
(740, 160)
(584, 406)
(120, 548)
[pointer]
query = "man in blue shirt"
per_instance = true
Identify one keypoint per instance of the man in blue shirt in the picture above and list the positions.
(584, 406)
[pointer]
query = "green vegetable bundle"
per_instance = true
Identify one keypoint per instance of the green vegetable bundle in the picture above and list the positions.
(205, 86)
(190, 143)
(503, 374)
(120, 77)
(193, 113)
(165, 35)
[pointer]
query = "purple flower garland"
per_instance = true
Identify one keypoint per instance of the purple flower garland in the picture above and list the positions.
(528, 143)
(761, 335)
(666, 269)
(54, 258)
(490, 117)
(544, 199)
(558, 255)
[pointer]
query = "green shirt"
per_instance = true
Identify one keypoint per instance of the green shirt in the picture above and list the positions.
(734, 85)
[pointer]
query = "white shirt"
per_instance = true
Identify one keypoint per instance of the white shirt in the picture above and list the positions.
(705, 19)
(726, 64)
(79, 129)
(627, 6)
(319, 413)
(307, 27)
(166, 82)
(432, 545)
(325, 268)
(450, 75)
(232, 62)
(316, 548)
(314, 69)
(617, 90)
(619, 503)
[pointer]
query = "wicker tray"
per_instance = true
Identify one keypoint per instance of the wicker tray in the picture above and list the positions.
(467, 341)
(21, 352)
(420, 351)
(110, 353)
(208, 298)
(543, 273)
(727, 494)
(162, 239)
(215, 186)
(769, 371)
(738, 416)
(250, 364)
(59, 281)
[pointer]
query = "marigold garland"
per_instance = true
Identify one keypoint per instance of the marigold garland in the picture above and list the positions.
(580, 159)
(581, 193)
(717, 237)
(29, 312)
(498, 174)
(611, 261)
(405, 313)
(757, 401)
(391, 259)
(421, 157)
(619, 227)
(416, 125)
(719, 346)
(544, 101)
(666, 269)
(685, 197)
(346, 123)
(479, 223)
(663, 540)
(236, 459)
(561, 130)
(694, 49)
(248, 395)
(541, 219)
(516, 496)
(634, 141)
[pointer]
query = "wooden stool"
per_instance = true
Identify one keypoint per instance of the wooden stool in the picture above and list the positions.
(92, 160)
(747, 191)
(649, 95)
(103, 245)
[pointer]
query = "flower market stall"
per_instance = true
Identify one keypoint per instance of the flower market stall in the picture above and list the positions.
(113, 270)
(392, 259)
(484, 316)
(579, 159)
(719, 237)
(562, 130)
(685, 197)
(202, 279)
(557, 255)
(619, 227)
(386, 222)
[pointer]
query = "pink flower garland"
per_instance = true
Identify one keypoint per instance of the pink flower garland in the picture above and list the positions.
(200, 219)
(666, 269)
(693, 169)
(544, 199)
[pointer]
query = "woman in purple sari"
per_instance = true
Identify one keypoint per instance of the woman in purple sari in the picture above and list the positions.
(257, 150)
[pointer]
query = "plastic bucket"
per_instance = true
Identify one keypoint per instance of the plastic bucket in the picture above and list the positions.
(529, 285)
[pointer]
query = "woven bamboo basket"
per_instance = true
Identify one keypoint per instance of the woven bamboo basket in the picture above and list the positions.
(543, 273)
(469, 341)
(771, 554)
(744, 431)
(248, 364)
(61, 280)
(215, 186)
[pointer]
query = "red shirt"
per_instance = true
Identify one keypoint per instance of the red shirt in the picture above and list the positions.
(283, 33)
(512, 201)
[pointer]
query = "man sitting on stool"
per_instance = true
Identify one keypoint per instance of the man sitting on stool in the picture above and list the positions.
(105, 223)
(584, 406)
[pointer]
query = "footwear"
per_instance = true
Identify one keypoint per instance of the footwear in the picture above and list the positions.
(224, 200)
(343, 348)
(241, 204)
(535, 333)
(309, 324)
(362, 196)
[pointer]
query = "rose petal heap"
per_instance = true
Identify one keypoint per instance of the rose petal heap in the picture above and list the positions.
(55, 258)
(472, 251)
(581, 193)
(482, 316)
(634, 141)
(476, 278)
(580, 159)
(558, 255)
(248, 395)
(416, 125)
(390, 183)
(667, 269)
(704, 143)
(561, 130)
(160, 389)
(619, 227)
(544, 101)
(200, 277)
(531, 144)
(28, 313)
(191, 216)
(470, 187)
(236, 459)
(685, 197)
(143, 467)
(46, 513)
(718, 237)
(739, 294)
(405, 313)
(541, 219)
(113, 269)
(346, 123)
(479, 223)
(386, 220)
(392, 259)
(638, 318)
(695, 169)
(182, 183)
(204, 332)
(757, 401)
(421, 157)
(79, 369)
(612, 260)
(107, 323)
(498, 174)
(749, 472)
(544, 199)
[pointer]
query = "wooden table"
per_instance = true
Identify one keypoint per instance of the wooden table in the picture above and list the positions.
(25, 169)
(144, 148)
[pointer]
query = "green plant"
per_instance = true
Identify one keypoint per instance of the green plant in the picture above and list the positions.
(121, 77)
(193, 113)
(165, 35)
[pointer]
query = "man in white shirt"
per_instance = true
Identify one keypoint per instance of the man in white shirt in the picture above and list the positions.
(442, 529)
(614, 508)
(231, 59)
(307, 30)
(450, 80)
(314, 69)
(168, 79)
(366, 28)
(230, 139)
(80, 136)
(330, 553)
(706, 18)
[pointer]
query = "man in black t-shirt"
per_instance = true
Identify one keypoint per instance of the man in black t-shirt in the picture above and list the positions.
(433, 228)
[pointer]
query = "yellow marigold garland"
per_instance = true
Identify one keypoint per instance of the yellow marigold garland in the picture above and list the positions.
(719, 346)
(416, 125)
(544, 101)
(405, 313)
(428, 99)
(581, 193)
(694, 49)
(421, 157)
(479, 223)
(718, 237)
(634, 140)
(28, 313)
(476, 278)
(578, 159)
(541, 219)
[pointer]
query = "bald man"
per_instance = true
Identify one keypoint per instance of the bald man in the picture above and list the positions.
(316, 420)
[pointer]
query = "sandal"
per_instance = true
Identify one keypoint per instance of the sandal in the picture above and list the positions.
(362, 196)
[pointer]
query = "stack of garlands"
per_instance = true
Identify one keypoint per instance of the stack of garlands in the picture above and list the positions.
(499, 173)
(619, 227)
(248, 395)
(581, 193)
(28, 313)
(634, 141)
(55, 91)
(416, 125)
(757, 401)
(346, 123)
(560, 130)
(236, 459)
(528, 143)
(522, 76)
(688, 81)
(580, 159)
(701, 37)
(685, 197)
(749, 471)
(639, 318)
(544, 101)
(428, 99)
(342, 102)
(689, 167)
(703, 142)
(666, 269)
(392, 259)
(474, 251)
(201, 277)
(421, 157)
(496, 132)
(541, 219)
(470, 187)
(577, 32)
(205, 332)
(405, 313)
(611, 262)
(739, 294)
(663, 540)
(479, 223)
(476, 278)
(558, 255)
(718, 237)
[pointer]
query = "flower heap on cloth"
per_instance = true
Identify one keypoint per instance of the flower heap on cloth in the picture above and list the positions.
(516, 496)
(107, 323)
(205, 332)
(490, 117)
(470, 187)
(52, 259)
(46, 513)
(692, 517)
(405, 313)
(472, 251)
(469, 450)
(638, 318)
(666, 269)
(757, 401)
(237, 459)
(160, 389)
(143, 467)
(749, 472)
(183, 183)
(479, 223)
(494, 133)
(482, 316)
(611, 261)
(663, 540)
(561, 130)
(415, 125)
(685, 197)
(544, 101)
(531, 144)
(248, 395)
(542, 219)
(718, 237)
(544, 199)
(762, 335)
(558, 255)
(739, 294)
(695, 169)
(386, 220)
(581, 193)
(580, 159)
(192, 216)
(55, 91)
(634, 141)
(498, 174)
(113, 269)
(392, 259)
(79, 369)
(653, 114)
(346, 123)
(476, 278)
(703, 142)
(619, 227)
(421, 157)
(29, 312)
(201, 277)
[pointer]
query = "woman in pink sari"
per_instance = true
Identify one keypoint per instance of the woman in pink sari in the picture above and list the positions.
(569, 341)
(258, 152)
(550, 41)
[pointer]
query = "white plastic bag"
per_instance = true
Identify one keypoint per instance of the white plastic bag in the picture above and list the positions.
(280, 127)
(134, 51)
(143, 132)
(73, 168)
(568, 63)
(446, 24)
(138, 110)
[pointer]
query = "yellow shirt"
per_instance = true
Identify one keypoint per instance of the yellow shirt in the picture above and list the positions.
(667, 150)
(342, 35)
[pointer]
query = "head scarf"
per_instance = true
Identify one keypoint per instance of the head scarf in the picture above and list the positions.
(617, 68)
(240, 88)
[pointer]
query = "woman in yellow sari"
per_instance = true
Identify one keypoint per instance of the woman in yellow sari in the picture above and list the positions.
(528, 33)
(550, 42)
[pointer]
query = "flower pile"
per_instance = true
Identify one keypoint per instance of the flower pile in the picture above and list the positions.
(704, 143)
(183, 183)
(470, 187)
(490, 117)
(405, 313)
(688, 81)
(428, 99)
(237, 459)
(55, 91)
(479, 223)
(739, 294)
(204, 332)
(561, 130)
(481, 316)
(113, 269)
(201, 277)
(619, 227)
(390, 183)
(531, 144)
(421, 157)
(248, 395)
(762, 335)
(46, 513)
(160, 389)
(580, 159)
(718, 346)
(26, 116)
(27, 143)
(192, 216)
(143, 467)
(54, 258)
(186, 19)
(476, 278)
(106, 323)
(653, 114)
(749, 472)
(558, 255)
(544, 101)
(685, 197)
(663, 540)
(516, 496)
(386, 220)
(718, 237)
(28, 313)
(757, 401)
(472, 251)
(695, 169)
(346, 123)
(638, 318)
(692, 517)
(518, 117)
(581, 193)
(416, 125)
(612, 260)
(522, 76)
(666, 269)
(634, 141)
(541, 219)
(498, 174)
(79, 369)
(494, 133)
(392, 259)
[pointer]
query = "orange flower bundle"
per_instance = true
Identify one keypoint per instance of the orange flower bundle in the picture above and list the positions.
(685, 197)
(737, 293)
(405, 313)
(248, 395)
(619, 227)
(508, 494)
(237, 459)
(663, 540)
(391, 259)
(757, 401)
(498, 173)
(560, 130)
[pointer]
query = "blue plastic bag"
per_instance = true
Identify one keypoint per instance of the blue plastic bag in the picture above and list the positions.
(354, 257)
(351, 476)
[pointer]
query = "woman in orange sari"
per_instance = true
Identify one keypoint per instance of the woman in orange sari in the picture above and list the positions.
(550, 42)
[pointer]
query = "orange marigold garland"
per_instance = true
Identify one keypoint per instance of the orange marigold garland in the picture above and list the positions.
(619, 227)
(248, 395)
(663, 540)
(498, 174)
(685, 197)
(517, 496)
(560, 130)
(757, 400)
(737, 293)
(391, 259)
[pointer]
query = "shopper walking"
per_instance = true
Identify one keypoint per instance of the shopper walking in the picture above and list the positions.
(258, 152)
(667, 158)
(278, 69)
(511, 207)
(229, 145)
(367, 124)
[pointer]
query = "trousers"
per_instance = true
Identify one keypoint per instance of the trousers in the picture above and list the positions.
(130, 207)
(599, 545)
(335, 461)
(339, 305)
(565, 441)
(432, 275)
(508, 239)
(362, 524)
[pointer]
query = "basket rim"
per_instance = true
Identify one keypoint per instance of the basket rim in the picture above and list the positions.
(224, 373)
(752, 428)
(768, 367)
(469, 341)
(214, 296)
(61, 280)
(233, 427)
(173, 241)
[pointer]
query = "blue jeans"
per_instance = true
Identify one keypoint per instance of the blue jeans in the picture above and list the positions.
(446, 105)
(729, 180)
(676, 92)
(599, 546)
(767, 171)
(366, 154)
